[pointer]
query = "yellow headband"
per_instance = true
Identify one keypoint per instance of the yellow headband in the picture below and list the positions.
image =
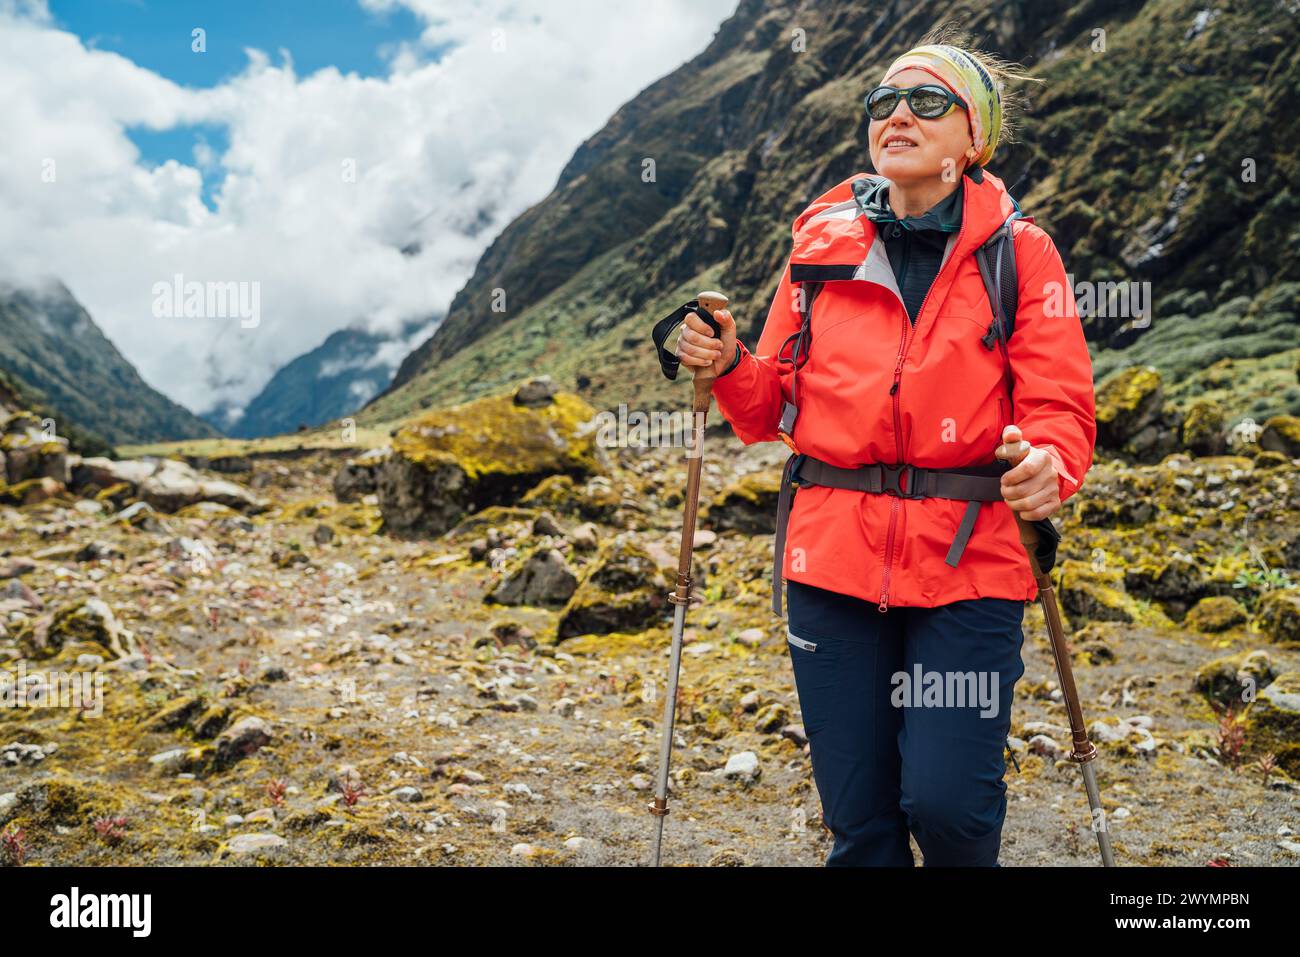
(962, 74)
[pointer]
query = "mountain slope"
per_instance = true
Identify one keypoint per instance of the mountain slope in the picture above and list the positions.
(60, 361)
(332, 380)
(1134, 157)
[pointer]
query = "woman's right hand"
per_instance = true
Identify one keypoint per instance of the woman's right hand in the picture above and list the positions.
(698, 347)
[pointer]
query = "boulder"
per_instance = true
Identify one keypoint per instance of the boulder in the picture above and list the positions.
(535, 393)
(32, 451)
(747, 505)
(1273, 721)
(1128, 402)
(1176, 581)
(1087, 594)
(1216, 613)
(544, 578)
(623, 591)
(90, 625)
(32, 491)
(454, 461)
(359, 476)
(1203, 429)
(1237, 678)
(1277, 615)
(1281, 434)
(168, 485)
(596, 500)
(243, 738)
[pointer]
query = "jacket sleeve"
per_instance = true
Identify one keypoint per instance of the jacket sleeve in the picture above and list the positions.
(1052, 398)
(750, 396)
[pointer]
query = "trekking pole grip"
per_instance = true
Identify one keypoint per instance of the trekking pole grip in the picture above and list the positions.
(704, 375)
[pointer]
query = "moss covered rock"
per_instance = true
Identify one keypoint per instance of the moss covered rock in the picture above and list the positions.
(31, 491)
(84, 627)
(623, 592)
(1277, 614)
(1175, 580)
(1273, 721)
(1232, 680)
(595, 500)
(747, 505)
(1203, 429)
(543, 578)
(1090, 595)
(359, 476)
(1282, 434)
(1216, 613)
(1127, 402)
(488, 452)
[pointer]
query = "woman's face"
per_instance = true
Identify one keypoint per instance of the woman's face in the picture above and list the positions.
(907, 149)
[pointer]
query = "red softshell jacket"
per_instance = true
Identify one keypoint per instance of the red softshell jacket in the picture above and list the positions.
(948, 409)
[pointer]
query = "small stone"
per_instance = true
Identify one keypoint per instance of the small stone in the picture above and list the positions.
(536, 392)
(751, 637)
(14, 567)
(641, 782)
(545, 524)
(169, 761)
(749, 702)
(1103, 733)
(98, 551)
(564, 707)
(795, 733)
(772, 718)
(323, 534)
(585, 538)
(742, 767)
(1043, 745)
(241, 739)
(15, 753)
(525, 851)
(409, 795)
(256, 843)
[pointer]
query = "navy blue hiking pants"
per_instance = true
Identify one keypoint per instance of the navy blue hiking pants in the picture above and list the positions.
(907, 715)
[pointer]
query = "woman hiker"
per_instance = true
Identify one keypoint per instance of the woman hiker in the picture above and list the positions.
(905, 639)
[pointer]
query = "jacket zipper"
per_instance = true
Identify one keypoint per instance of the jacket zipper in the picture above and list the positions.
(909, 332)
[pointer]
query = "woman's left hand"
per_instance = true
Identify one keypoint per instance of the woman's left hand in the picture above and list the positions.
(1030, 488)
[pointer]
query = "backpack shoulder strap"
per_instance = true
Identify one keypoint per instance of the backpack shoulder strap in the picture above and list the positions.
(996, 259)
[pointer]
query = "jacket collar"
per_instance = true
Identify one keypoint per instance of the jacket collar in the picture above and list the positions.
(834, 230)
(943, 217)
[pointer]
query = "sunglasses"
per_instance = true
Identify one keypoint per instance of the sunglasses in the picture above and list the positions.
(929, 102)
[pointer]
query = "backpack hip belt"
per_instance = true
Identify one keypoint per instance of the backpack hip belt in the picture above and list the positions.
(972, 484)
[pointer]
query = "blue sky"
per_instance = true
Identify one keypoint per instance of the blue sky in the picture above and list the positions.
(158, 35)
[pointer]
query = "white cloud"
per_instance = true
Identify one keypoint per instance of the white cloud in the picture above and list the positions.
(481, 133)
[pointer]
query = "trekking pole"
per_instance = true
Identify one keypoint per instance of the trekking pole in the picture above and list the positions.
(1084, 752)
(703, 305)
